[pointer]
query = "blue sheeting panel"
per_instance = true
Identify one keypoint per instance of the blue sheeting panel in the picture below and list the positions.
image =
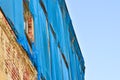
(55, 51)
(56, 21)
(55, 60)
(35, 10)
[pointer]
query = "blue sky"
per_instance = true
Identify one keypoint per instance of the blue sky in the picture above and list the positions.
(97, 26)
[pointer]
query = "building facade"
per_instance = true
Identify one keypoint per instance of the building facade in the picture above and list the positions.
(44, 32)
(14, 62)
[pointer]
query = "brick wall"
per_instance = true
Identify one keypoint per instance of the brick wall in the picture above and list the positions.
(14, 62)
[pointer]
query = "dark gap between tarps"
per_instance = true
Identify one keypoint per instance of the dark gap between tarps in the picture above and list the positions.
(42, 77)
(53, 32)
(65, 60)
(43, 7)
(63, 55)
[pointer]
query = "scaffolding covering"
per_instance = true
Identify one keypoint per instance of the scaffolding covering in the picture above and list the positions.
(54, 49)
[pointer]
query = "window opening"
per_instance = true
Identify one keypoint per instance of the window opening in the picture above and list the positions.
(28, 22)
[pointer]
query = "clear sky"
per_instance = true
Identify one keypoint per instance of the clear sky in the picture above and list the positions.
(97, 26)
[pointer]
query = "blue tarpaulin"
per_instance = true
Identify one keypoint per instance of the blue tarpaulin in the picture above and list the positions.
(55, 51)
